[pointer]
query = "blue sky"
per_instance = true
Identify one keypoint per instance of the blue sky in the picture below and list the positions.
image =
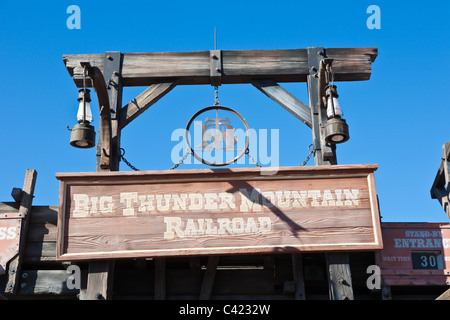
(398, 119)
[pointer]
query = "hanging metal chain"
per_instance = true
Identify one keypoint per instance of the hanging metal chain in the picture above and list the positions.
(216, 95)
(188, 152)
(247, 152)
(311, 152)
(126, 161)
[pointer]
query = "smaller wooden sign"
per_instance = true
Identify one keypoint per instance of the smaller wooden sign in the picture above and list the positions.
(415, 254)
(112, 215)
(10, 227)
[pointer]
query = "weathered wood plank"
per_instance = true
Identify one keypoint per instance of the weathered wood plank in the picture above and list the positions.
(239, 66)
(296, 224)
(40, 251)
(15, 265)
(297, 267)
(160, 279)
(39, 282)
(444, 296)
(208, 280)
(144, 101)
(99, 285)
(340, 280)
(286, 100)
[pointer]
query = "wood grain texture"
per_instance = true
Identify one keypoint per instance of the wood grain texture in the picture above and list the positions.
(239, 66)
(144, 101)
(286, 100)
(257, 216)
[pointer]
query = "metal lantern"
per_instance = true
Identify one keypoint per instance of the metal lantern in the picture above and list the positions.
(336, 129)
(83, 134)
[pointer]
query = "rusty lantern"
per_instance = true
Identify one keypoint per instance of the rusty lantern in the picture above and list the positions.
(336, 129)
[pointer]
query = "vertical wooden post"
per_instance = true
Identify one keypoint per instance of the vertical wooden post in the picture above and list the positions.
(339, 277)
(338, 267)
(297, 266)
(26, 201)
(160, 279)
(208, 279)
(100, 273)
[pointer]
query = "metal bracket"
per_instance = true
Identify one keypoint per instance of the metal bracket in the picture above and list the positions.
(111, 72)
(324, 79)
(216, 67)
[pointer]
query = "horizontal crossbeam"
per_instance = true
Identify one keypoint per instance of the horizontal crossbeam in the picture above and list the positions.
(238, 66)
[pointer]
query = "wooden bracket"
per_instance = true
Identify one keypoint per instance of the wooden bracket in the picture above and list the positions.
(278, 94)
(324, 80)
(440, 189)
(144, 101)
(16, 193)
(99, 85)
(216, 67)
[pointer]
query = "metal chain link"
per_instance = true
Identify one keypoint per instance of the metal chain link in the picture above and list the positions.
(311, 151)
(126, 161)
(216, 95)
(188, 152)
(247, 152)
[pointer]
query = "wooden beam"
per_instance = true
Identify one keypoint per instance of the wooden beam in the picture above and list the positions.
(297, 266)
(99, 280)
(440, 188)
(278, 94)
(442, 195)
(104, 144)
(144, 101)
(160, 279)
(100, 273)
(339, 277)
(26, 202)
(208, 280)
(239, 66)
(444, 296)
(338, 266)
(386, 293)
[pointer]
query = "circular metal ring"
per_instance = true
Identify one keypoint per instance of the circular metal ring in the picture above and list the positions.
(215, 164)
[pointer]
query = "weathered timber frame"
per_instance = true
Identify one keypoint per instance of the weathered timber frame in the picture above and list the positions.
(440, 188)
(264, 69)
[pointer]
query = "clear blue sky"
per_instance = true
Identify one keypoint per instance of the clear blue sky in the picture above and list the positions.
(398, 120)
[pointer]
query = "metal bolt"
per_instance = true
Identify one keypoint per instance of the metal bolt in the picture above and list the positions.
(10, 286)
(12, 270)
(24, 275)
(108, 57)
(115, 73)
(217, 69)
(213, 56)
(98, 296)
(23, 285)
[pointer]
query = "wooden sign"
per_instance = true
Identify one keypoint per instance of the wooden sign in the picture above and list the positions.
(10, 227)
(415, 254)
(110, 215)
